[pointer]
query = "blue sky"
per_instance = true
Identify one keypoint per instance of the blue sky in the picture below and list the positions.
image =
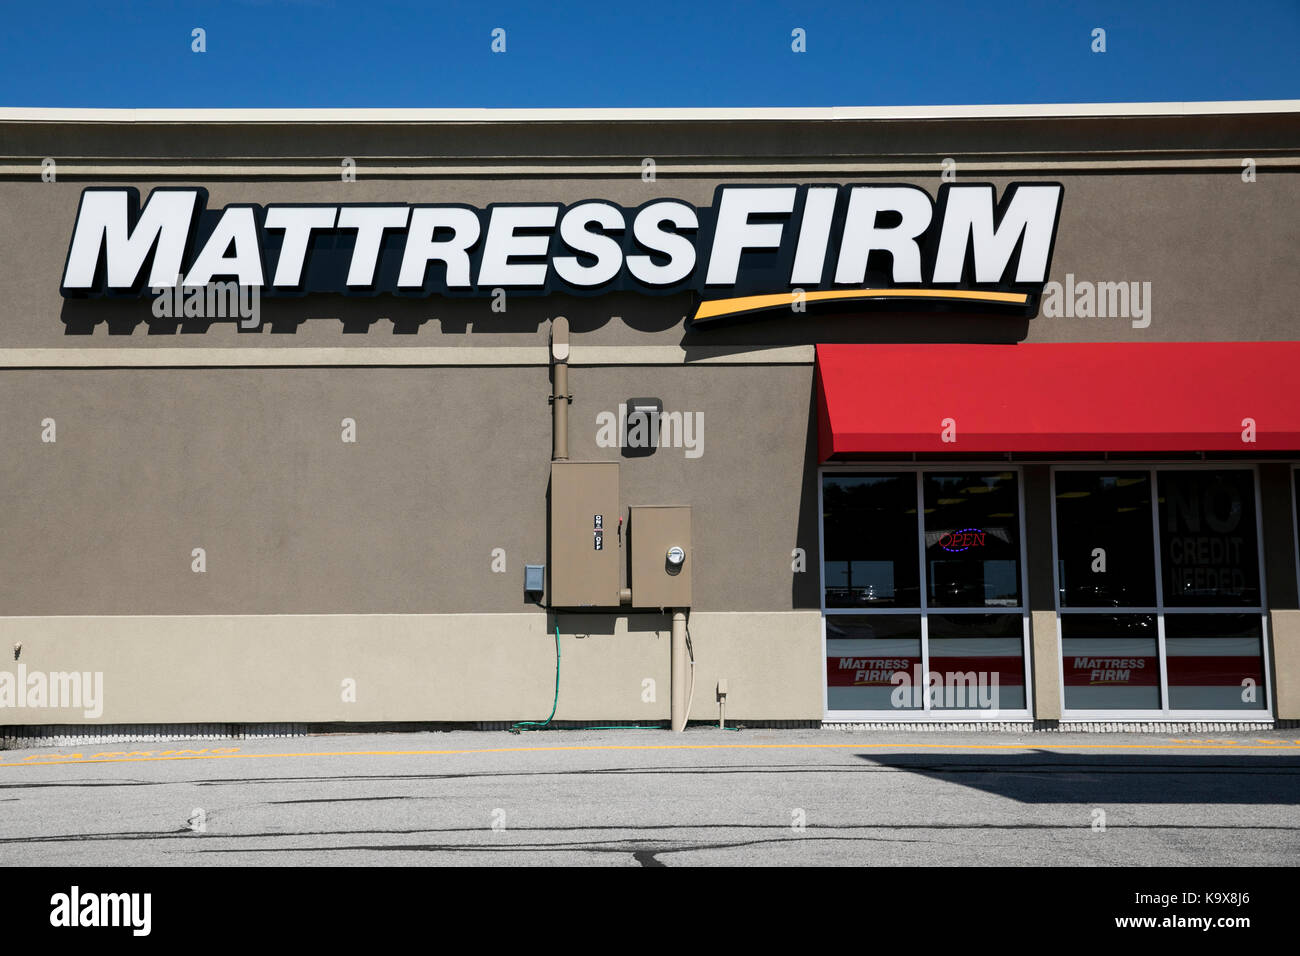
(352, 53)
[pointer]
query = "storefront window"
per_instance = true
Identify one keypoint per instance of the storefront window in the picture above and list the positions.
(870, 543)
(1208, 549)
(972, 539)
(1103, 535)
(872, 661)
(1185, 563)
(1110, 662)
(959, 552)
(979, 661)
(1215, 661)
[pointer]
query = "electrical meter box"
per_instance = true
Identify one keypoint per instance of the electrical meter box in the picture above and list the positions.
(660, 541)
(585, 549)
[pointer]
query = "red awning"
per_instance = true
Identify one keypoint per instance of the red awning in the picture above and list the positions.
(1068, 397)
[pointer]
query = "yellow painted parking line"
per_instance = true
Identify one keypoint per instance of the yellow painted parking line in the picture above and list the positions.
(46, 760)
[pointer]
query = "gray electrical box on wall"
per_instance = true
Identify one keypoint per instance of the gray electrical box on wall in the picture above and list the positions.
(584, 559)
(660, 541)
(535, 578)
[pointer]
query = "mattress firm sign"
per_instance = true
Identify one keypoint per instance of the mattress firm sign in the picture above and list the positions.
(756, 248)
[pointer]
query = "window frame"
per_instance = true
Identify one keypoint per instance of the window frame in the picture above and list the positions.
(926, 714)
(1164, 713)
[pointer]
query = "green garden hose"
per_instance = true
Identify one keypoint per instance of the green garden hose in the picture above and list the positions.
(542, 724)
(539, 724)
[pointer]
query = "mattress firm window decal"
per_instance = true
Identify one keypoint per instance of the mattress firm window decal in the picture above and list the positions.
(757, 248)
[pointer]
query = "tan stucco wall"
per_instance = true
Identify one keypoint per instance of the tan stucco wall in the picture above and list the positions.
(1046, 661)
(415, 667)
(449, 464)
(1284, 626)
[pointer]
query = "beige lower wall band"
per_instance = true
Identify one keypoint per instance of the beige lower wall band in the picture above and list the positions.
(416, 667)
(1284, 632)
(182, 669)
(1046, 662)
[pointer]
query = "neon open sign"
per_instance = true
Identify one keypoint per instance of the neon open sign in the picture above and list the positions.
(961, 540)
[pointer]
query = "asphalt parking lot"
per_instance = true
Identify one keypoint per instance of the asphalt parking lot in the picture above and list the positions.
(651, 798)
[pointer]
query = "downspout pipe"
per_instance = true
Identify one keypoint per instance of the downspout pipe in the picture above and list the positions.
(680, 664)
(560, 397)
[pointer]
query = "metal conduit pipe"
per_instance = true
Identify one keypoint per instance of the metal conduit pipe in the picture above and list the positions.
(560, 397)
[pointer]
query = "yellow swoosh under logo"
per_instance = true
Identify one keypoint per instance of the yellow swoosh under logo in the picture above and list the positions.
(719, 308)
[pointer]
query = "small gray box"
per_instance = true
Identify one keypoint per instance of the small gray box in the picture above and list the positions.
(534, 578)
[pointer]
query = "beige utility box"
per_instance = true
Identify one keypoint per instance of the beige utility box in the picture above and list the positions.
(658, 538)
(585, 550)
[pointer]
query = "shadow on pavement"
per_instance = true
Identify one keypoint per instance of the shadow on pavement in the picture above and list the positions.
(1048, 777)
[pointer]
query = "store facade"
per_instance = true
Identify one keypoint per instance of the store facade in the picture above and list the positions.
(959, 415)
